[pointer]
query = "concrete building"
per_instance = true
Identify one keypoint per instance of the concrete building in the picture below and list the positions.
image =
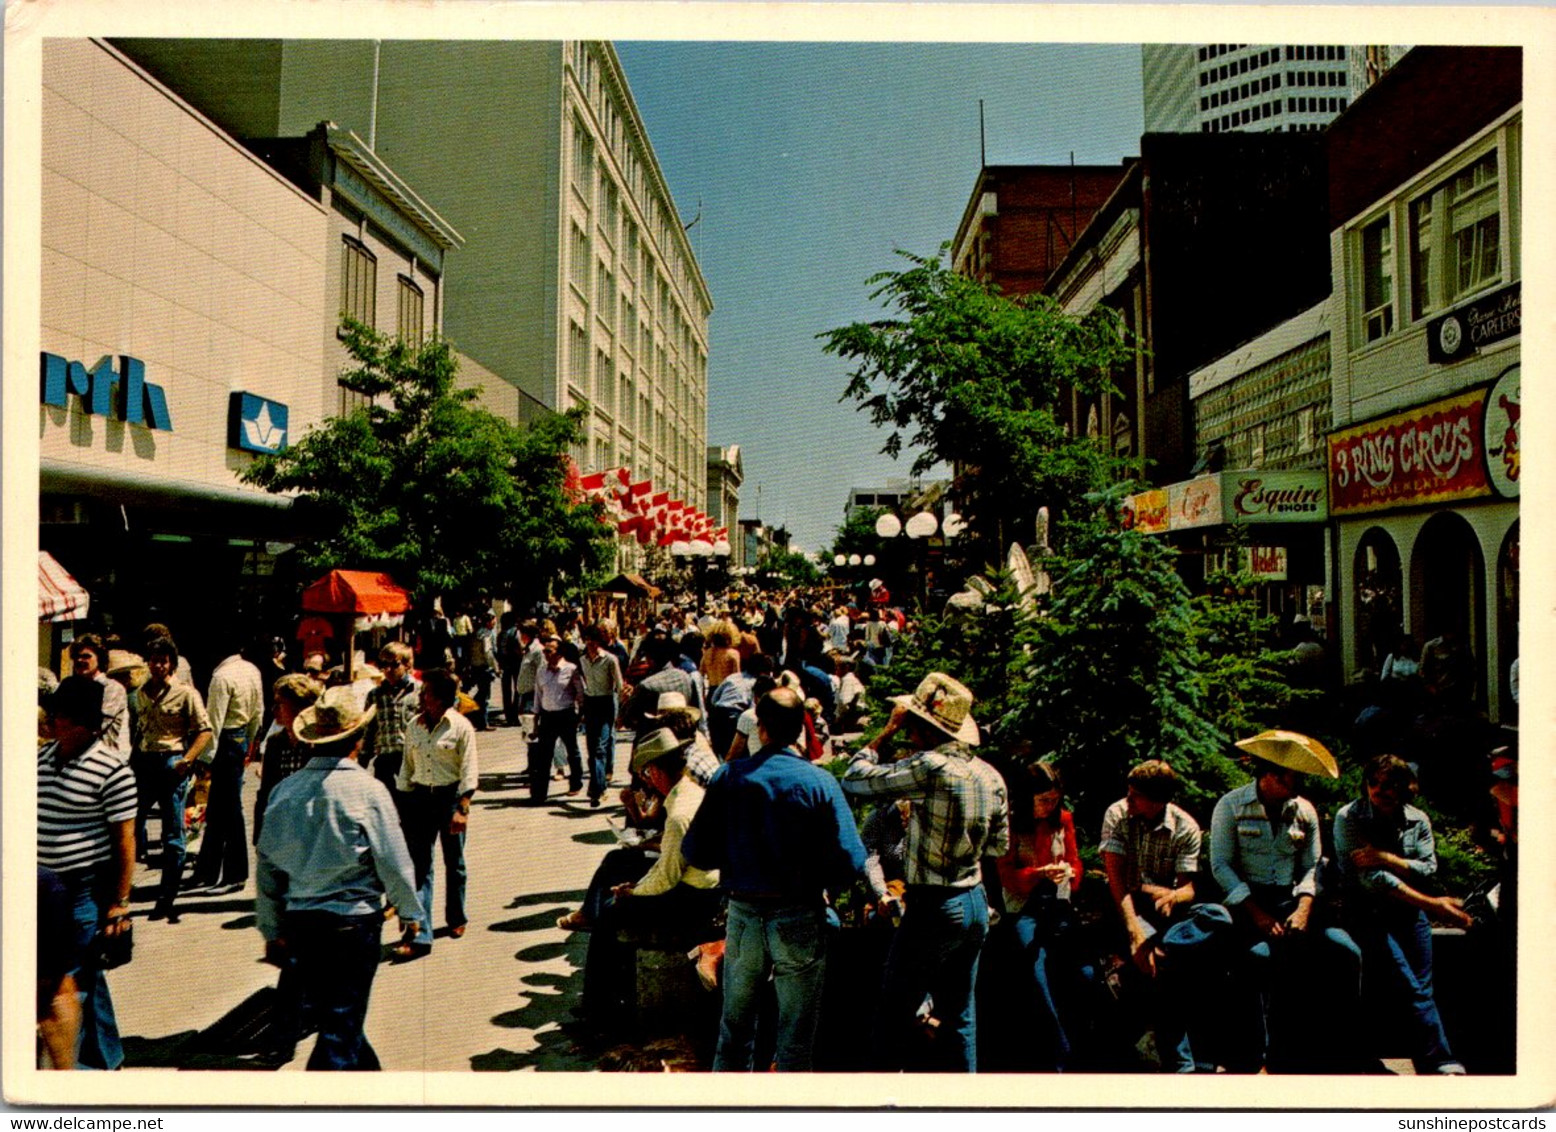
(1280, 88)
(1021, 220)
(726, 473)
(894, 495)
(1423, 458)
(578, 285)
(1173, 251)
(191, 298)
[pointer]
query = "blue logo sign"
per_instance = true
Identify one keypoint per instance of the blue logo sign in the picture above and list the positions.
(256, 424)
(125, 394)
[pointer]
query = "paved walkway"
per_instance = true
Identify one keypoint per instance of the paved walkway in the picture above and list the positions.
(490, 1001)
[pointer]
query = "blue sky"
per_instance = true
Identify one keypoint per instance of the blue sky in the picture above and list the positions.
(811, 163)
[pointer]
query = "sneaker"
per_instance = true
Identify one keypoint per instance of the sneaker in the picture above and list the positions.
(1451, 1069)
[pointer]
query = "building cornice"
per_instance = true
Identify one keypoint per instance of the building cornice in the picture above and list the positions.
(351, 149)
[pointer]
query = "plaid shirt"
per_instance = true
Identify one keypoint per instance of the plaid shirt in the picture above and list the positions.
(1154, 852)
(397, 705)
(701, 762)
(959, 816)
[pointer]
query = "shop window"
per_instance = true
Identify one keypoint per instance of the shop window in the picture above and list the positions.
(358, 282)
(1377, 264)
(1378, 599)
(412, 304)
(1456, 237)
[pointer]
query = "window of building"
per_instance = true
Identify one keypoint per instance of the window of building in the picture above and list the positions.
(408, 322)
(1256, 446)
(1307, 429)
(610, 206)
(578, 356)
(579, 257)
(1377, 268)
(604, 294)
(358, 282)
(1460, 220)
(629, 240)
(604, 380)
(583, 159)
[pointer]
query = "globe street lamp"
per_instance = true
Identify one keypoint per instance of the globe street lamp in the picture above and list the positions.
(697, 552)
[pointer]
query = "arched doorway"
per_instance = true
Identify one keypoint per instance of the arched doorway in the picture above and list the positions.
(1507, 618)
(1377, 598)
(1447, 585)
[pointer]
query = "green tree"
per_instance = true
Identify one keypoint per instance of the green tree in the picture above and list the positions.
(788, 567)
(425, 485)
(970, 377)
(856, 534)
(1243, 675)
(1114, 674)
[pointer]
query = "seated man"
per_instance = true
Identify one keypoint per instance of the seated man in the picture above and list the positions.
(672, 896)
(1150, 849)
(1290, 975)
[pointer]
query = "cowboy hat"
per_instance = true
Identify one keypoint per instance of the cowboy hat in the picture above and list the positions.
(335, 718)
(946, 703)
(656, 745)
(669, 701)
(1293, 750)
(122, 661)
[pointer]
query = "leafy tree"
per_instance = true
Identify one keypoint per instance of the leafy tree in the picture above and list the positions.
(425, 485)
(971, 377)
(1242, 678)
(788, 567)
(1114, 674)
(856, 534)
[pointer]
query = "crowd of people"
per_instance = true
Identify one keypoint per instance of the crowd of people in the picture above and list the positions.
(748, 829)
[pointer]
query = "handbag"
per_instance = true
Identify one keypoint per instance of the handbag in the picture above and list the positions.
(110, 951)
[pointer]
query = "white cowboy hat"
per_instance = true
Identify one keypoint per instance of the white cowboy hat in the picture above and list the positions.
(946, 703)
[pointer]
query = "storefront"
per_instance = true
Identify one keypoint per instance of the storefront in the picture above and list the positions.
(1269, 524)
(1426, 509)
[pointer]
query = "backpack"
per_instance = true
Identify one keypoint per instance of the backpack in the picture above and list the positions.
(726, 704)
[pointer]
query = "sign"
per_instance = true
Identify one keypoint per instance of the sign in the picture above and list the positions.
(1461, 332)
(1146, 512)
(354, 187)
(1431, 454)
(1196, 503)
(1275, 497)
(1268, 563)
(1503, 461)
(124, 395)
(255, 423)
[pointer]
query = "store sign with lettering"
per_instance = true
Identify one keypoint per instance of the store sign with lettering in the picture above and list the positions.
(1196, 503)
(1275, 497)
(256, 424)
(123, 394)
(1268, 563)
(1146, 512)
(1490, 318)
(1431, 454)
(1503, 410)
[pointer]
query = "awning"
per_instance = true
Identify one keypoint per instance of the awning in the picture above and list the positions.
(355, 591)
(60, 597)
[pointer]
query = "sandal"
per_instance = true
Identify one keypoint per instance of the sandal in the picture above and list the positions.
(573, 922)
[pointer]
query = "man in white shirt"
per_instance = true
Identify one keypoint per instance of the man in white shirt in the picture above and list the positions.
(236, 705)
(436, 780)
(559, 696)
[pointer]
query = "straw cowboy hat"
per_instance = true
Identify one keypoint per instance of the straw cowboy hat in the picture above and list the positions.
(335, 718)
(669, 701)
(656, 745)
(1293, 750)
(122, 661)
(946, 703)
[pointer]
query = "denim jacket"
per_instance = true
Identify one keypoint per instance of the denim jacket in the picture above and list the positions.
(1409, 836)
(1245, 850)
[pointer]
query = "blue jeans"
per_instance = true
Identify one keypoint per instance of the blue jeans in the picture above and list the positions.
(425, 819)
(935, 952)
(1043, 931)
(550, 727)
(622, 864)
(97, 1043)
(336, 958)
(1398, 945)
(481, 677)
(164, 788)
(788, 943)
(600, 738)
(224, 850)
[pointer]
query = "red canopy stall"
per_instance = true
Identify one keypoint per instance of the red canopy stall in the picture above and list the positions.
(358, 600)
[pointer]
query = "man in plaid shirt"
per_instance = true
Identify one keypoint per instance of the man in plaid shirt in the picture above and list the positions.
(959, 815)
(1150, 849)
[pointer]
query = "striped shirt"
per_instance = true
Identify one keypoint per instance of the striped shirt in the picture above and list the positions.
(959, 816)
(77, 802)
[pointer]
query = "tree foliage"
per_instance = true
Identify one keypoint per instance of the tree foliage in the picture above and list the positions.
(968, 376)
(856, 534)
(422, 483)
(788, 567)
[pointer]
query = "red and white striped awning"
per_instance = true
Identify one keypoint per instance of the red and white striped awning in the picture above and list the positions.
(60, 597)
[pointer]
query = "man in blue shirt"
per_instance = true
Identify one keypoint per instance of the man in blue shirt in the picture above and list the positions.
(330, 851)
(780, 832)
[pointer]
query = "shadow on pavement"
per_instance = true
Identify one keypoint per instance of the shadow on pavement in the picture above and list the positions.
(595, 837)
(541, 953)
(570, 896)
(240, 1039)
(537, 921)
(242, 923)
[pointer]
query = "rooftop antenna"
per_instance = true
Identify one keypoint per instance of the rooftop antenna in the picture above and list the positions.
(983, 153)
